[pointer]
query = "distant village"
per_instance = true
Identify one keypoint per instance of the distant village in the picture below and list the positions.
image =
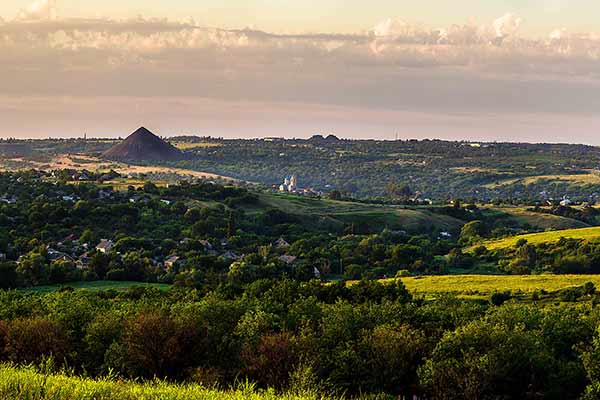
(72, 249)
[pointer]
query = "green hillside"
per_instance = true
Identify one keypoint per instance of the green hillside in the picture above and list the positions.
(545, 237)
(521, 216)
(375, 216)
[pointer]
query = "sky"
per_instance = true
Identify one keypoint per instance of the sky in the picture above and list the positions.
(512, 70)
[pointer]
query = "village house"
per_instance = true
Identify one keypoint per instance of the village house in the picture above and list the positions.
(288, 259)
(230, 255)
(206, 244)
(281, 244)
(104, 246)
(172, 261)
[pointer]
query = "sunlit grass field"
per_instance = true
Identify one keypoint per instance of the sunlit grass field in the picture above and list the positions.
(544, 237)
(188, 146)
(488, 284)
(591, 178)
(26, 383)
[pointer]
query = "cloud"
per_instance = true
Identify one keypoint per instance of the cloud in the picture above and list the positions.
(393, 43)
(507, 25)
(38, 10)
(397, 66)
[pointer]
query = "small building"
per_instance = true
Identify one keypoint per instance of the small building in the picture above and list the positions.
(290, 184)
(288, 259)
(566, 202)
(104, 246)
(445, 235)
(172, 261)
(206, 244)
(230, 255)
(281, 243)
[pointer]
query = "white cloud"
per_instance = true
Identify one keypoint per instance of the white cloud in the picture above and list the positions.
(558, 34)
(397, 65)
(39, 10)
(507, 25)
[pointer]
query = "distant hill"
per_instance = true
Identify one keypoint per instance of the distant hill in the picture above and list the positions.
(14, 149)
(143, 145)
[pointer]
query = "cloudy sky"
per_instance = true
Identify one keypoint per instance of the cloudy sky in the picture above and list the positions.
(518, 70)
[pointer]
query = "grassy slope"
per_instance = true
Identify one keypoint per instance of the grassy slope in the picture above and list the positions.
(25, 383)
(540, 220)
(96, 285)
(574, 179)
(487, 284)
(375, 216)
(544, 237)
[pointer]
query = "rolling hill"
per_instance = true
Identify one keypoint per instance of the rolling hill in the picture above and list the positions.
(545, 237)
(375, 217)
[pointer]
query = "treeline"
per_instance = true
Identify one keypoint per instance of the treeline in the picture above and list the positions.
(438, 170)
(365, 338)
(564, 256)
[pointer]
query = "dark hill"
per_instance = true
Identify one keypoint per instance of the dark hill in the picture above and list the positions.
(143, 145)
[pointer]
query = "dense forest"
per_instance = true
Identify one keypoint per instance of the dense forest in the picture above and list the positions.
(364, 339)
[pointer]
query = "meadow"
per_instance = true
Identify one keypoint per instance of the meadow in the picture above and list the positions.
(487, 284)
(27, 383)
(372, 215)
(544, 237)
(538, 220)
(96, 286)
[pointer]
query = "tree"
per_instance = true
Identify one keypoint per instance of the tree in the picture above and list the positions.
(28, 340)
(335, 195)
(472, 231)
(8, 275)
(156, 345)
(231, 224)
(394, 355)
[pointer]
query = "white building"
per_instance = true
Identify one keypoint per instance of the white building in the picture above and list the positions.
(290, 184)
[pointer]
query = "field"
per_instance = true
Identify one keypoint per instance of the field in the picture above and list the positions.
(92, 163)
(486, 284)
(26, 383)
(544, 237)
(591, 178)
(94, 286)
(540, 220)
(375, 216)
(189, 146)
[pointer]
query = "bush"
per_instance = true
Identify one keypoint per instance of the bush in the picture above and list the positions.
(29, 340)
(499, 298)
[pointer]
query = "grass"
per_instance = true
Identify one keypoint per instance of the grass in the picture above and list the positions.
(372, 215)
(26, 383)
(540, 220)
(96, 285)
(189, 146)
(574, 179)
(544, 237)
(488, 284)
